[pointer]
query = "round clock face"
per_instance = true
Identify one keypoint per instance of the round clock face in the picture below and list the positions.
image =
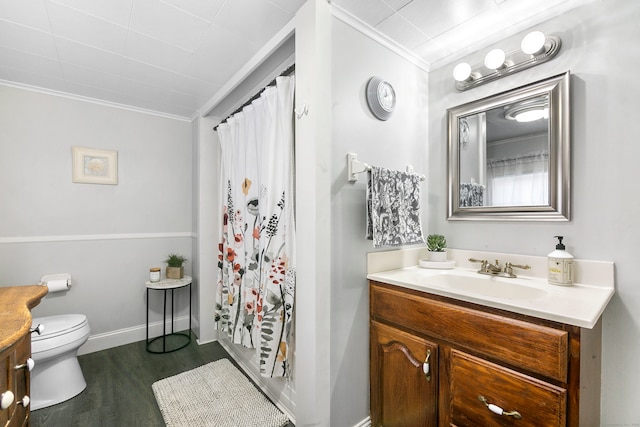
(386, 96)
(381, 98)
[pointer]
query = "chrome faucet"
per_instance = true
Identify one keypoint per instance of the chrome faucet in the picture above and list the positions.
(496, 270)
(508, 268)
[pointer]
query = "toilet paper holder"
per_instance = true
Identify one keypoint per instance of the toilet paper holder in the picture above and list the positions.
(57, 282)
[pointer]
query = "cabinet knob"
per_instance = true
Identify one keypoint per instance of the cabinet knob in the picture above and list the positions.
(6, 399)
(498, 410)
(38, 329)
(29, 364)
(24, 401)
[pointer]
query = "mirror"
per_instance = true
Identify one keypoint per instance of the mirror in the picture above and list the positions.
(509, 154)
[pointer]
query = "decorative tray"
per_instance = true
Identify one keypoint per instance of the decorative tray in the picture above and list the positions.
(443, 265)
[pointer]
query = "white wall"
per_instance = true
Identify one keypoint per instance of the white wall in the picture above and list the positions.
(207, 213)
(105, 236)
(599, 46)
(312, 344)
(337, 246)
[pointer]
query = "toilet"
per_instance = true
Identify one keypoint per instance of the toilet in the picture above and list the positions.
(57, 376)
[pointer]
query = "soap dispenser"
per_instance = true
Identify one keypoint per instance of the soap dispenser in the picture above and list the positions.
(560, 268)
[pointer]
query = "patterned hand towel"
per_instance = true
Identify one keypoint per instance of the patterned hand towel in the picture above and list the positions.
(393, 208)
(471, 194)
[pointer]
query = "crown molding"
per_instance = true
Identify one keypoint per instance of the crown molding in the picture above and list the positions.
(377, 36)
(92, 100)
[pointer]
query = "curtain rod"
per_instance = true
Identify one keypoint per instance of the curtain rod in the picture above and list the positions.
(286, 72)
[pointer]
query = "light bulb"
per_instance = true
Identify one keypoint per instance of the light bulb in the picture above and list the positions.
(494, 59)
(533, 43)
(462, 72)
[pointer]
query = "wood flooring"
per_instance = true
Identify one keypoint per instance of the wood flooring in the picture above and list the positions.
(118, 392)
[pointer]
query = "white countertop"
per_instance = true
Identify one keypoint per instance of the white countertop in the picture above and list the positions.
(579, 305)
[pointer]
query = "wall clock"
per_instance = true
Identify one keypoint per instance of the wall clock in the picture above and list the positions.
(381, 98)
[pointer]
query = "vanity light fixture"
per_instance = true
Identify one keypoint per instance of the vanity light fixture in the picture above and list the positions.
(536, 48)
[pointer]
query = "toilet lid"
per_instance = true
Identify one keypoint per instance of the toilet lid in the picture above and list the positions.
(57, 325)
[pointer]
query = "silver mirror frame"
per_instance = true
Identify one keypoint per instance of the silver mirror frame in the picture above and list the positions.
(557, 87)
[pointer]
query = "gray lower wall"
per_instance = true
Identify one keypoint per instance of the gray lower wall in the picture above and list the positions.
(105, 236)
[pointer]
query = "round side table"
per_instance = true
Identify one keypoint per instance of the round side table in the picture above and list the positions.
(168, 285)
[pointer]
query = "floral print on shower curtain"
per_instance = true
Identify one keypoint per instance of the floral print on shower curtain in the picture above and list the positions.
(256, 260)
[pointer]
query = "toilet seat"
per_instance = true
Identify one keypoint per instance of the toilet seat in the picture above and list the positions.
(58, 325)
(59, 330)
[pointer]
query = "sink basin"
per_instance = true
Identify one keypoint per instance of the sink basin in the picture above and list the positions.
(488, 286)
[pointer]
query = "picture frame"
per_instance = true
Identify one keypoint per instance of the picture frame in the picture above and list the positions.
(94, 166)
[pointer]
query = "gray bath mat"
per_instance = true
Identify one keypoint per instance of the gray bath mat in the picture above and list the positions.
(216, 394)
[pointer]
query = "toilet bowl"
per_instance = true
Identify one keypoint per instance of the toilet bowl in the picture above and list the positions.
(57, 376)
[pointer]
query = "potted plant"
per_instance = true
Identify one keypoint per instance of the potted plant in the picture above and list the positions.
(175, 270)
(437, 247)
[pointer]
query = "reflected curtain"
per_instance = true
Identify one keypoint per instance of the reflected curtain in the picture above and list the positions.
(256, 260)
(519, 181)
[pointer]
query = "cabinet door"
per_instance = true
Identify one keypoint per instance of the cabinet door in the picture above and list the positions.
(402, 394)
(479, 391)
(21, 376)
(6, 384)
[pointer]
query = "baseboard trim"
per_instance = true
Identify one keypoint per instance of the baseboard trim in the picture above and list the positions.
(364, 423)
(104, 341)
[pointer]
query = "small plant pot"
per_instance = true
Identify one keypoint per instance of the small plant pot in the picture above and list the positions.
(437, 256)
(175, 272)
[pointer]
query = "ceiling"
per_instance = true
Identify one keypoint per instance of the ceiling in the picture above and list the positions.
(173, 56)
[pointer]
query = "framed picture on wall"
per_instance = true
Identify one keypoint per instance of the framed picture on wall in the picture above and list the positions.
(93, 166)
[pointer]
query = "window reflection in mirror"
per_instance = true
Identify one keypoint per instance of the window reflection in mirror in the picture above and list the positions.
(508, 154)
(504, 155)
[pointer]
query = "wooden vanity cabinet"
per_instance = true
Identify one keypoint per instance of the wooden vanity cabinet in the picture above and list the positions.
(482, 359)
(15, 349)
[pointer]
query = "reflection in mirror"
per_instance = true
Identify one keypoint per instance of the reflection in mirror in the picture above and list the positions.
(509, 154)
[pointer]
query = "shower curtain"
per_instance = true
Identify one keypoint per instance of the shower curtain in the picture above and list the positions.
(256, 260)
(519, 181)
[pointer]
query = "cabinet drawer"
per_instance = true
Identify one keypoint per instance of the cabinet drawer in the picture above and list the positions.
(470, 378)
(536, 348)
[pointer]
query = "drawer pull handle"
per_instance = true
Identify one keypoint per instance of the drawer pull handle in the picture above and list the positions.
(498, 410)
(425, 366)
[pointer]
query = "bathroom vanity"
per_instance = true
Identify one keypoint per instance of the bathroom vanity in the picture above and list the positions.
(16, 303)
(448, 348)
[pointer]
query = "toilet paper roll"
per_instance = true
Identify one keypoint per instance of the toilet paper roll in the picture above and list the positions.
(58, 285)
